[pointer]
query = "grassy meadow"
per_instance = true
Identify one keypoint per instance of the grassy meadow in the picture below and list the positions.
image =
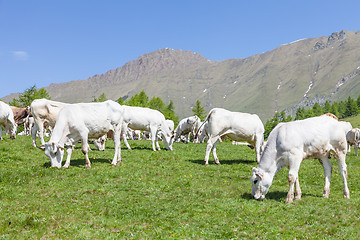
(166, 195)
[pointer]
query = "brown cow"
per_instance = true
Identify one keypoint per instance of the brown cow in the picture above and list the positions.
(20, 114)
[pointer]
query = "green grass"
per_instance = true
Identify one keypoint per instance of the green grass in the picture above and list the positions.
(354, 120)
(166, 195)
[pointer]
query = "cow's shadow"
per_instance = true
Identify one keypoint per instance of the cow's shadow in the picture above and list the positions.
(224, 162)
(80, 162)
(277, 196)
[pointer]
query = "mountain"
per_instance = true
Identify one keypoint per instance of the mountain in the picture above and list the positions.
(293, 75)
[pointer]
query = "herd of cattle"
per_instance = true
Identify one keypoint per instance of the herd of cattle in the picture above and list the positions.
(287, 145)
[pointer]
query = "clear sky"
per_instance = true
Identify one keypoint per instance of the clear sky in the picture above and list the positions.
(45, 41)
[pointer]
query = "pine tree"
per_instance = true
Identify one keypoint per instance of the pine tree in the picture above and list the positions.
(198, 110)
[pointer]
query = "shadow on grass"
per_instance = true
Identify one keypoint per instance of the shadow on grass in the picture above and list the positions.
(224, 162)
(277, 196)
(81, 162)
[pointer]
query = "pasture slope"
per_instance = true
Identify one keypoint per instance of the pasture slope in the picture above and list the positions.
(166, 195)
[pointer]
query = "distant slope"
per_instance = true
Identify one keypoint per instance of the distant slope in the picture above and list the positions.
(355, 121)
(292, 75)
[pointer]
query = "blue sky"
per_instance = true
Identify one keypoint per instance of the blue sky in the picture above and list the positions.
(44, 42)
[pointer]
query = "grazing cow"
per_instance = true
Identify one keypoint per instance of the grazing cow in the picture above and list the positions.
(45, 112)
(235, 125)
(7, 120)
(289, 143)
(353, 139)
(82, 121)
(20, 114)
(146, 119)
(171, 125)
(186, 127)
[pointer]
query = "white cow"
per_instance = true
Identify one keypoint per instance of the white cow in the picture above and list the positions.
(289, 143)
(235, 125)
(186, 127)
(45, 112)
(353, 139)
(7, 120)
(82, 121)
(146, 119)
(171, 125)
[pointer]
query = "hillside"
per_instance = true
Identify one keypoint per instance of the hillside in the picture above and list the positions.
(295, 74)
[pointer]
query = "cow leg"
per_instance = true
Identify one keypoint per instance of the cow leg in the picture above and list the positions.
(258, 145)
(1, 138)
(209, 147)
(125, 141)
(157, 142)
(69, 149)
(356, 148)
(216, 159)
(33, 134)
(117, 144)
(294, 165)
(297, 190)
(153, 137)
(343, 172)
(325, 162)
(85, 148)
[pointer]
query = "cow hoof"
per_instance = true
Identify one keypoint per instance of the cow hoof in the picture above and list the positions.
(65, 167)
(88, 167)
(113, 165)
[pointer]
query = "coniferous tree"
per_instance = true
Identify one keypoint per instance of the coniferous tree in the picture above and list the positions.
(198, 110)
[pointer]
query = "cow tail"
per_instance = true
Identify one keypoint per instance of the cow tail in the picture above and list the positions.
(357, 137)
(206, 119)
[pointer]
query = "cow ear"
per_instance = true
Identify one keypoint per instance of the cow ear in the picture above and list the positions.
(60, 147)
(259, 175)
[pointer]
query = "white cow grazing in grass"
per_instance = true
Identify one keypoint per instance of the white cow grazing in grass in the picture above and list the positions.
(289, 143)
(235, 125)
(146, 119)
(353, 139)
(82, 121)
(44, 111)
(7, 120)
(186, 127)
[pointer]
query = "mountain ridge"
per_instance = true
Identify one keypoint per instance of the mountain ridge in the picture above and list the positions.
(292, 75)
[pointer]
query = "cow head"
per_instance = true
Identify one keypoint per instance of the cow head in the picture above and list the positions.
(55, 153)
(13, 129)
(100, 143)
(261, 182)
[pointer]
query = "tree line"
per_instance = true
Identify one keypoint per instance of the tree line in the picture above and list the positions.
(341, 109)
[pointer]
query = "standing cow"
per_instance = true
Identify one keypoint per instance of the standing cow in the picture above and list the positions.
(289, 143)
(146, 119)
(44, 112)
(235, 125)
(7, 120)
(82, 121)
(186, 127)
